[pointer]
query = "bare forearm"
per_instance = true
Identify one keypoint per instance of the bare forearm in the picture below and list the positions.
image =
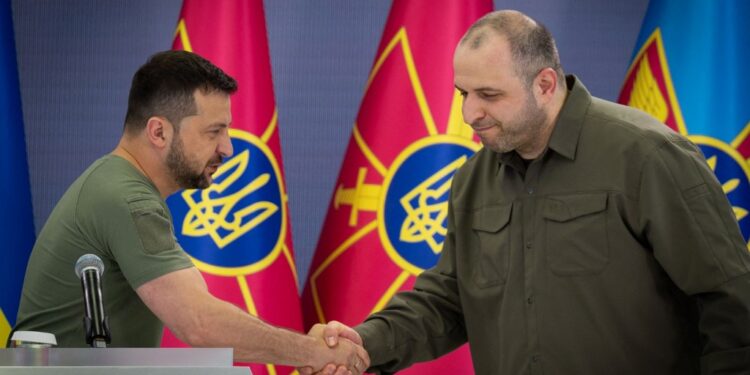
(220, 324)
(182, 301)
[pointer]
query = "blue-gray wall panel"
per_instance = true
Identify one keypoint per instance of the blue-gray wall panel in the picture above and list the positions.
(76, 59)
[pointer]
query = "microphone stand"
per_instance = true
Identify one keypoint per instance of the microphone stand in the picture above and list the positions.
(94, 321)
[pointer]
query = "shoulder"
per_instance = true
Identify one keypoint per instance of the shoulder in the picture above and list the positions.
(627, 123)
(109, 189)
(613, 126)
(111, 180)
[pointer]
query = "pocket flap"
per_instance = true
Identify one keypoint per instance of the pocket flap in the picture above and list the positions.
(492, 219)
(568, 207)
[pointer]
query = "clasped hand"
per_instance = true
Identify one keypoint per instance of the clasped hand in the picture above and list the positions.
(345, 354)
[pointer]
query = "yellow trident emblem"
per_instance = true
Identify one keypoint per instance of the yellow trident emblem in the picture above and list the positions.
(426, 220)
(208, 215)
(425, 212)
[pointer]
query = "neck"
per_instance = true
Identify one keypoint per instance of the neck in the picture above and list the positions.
(542, 140)
(145, 160)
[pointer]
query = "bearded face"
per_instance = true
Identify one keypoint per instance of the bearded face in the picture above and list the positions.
(190, 174)
(515, 131)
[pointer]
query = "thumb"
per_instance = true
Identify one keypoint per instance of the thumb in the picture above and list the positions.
(333, 330)
(331, 333)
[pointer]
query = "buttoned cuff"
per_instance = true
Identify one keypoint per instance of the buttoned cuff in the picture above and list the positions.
(374, 333)
(728, 362)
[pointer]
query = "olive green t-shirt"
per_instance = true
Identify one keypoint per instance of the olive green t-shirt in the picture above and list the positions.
(117, 214)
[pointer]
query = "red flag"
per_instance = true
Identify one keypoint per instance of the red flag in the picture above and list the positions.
(386, 222)
(237, 231)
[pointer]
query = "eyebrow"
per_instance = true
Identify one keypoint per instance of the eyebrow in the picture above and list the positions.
(492, 89)
(482, 89)
(217, 125)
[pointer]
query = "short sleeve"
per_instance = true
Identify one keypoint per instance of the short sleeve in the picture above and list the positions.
(135, 231)
(152, 225)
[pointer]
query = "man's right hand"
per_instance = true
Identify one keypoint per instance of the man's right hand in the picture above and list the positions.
(339, 337)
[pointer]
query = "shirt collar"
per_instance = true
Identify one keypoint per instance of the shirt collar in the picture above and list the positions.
(564, 138)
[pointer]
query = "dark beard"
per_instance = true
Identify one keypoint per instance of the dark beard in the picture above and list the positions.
(180, 169)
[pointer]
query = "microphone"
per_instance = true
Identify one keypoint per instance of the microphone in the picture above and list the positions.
(89, 268)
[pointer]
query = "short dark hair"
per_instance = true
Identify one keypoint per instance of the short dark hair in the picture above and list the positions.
(531, 44)
(165, 84)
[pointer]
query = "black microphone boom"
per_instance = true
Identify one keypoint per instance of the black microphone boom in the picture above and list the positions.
(89, 269)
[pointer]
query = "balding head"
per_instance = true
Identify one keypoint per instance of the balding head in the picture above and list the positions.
(531, 45)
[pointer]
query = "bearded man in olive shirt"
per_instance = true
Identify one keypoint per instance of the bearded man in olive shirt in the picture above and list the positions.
(176, 136)
(584, 238)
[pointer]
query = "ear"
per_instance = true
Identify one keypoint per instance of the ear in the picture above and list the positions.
(545, 85)
(157, 131)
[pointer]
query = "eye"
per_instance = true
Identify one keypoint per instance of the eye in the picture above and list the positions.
(485, 95)
(212, 133)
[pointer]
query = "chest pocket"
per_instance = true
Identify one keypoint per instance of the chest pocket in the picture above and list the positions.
(492, 232)
(576, 233)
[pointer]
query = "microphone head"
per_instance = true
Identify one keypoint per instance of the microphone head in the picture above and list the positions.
(87, 261)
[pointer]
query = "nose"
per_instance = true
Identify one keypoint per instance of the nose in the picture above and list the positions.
(225, 148)
(471, 109)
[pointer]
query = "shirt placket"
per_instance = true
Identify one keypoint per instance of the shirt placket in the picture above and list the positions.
(530, 254)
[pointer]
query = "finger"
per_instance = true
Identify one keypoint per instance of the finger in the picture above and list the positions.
(351, 335)
(334, 329)
(330, 369)
(331, 333)
(363, 356)
(357, 365)
(342, 371)
(305, 370)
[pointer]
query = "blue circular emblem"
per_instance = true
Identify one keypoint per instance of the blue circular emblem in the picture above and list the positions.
(413, 216)
(235, 225)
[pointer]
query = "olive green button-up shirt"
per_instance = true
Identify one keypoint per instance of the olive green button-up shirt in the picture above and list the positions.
(615, 252)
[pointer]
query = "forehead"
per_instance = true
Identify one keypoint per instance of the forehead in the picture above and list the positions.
(211, 108)
(484, 45)
(491, 60)
(207, 100)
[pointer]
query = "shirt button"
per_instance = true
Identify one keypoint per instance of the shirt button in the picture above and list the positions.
(530, 191)
(535, 359)
(530, 300)
(528, 245)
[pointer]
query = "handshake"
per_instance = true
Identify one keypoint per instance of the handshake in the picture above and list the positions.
(341, 351)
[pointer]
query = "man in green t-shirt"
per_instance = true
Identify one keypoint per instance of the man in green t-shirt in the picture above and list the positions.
(176, 136)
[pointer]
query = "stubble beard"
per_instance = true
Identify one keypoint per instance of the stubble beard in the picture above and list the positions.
(523, 130)
(181, 170)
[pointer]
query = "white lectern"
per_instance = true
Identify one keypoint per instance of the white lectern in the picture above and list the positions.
(118, 361)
